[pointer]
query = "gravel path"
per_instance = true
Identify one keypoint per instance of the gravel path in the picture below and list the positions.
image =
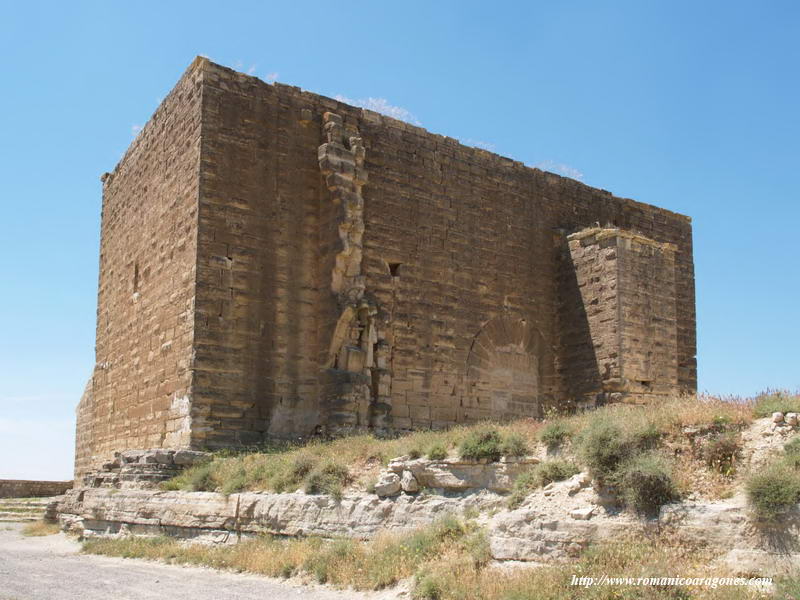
(50, 568)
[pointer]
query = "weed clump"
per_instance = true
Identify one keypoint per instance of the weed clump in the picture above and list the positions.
(437, 452)
(488, 444)
(721, 452)
(645, 483)
(482, 444)
(603, 448)
(515, 445)
(773, 491)
(627, 458)
(553, 435)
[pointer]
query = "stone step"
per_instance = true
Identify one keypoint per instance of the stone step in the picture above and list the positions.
(17, 517)
(27, 501)
(12, 507)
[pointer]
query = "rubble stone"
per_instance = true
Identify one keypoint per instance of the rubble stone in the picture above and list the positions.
(388, 484)
(409, 483)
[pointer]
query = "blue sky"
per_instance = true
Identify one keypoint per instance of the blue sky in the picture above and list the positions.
(692, 106)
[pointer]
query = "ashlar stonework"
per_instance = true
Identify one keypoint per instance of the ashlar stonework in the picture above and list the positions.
(278, 264)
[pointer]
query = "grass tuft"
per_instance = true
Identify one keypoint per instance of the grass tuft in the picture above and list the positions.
(482, 443)
(327, 478)
(40, 528)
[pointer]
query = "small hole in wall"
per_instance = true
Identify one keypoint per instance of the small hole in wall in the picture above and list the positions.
(135, 277)
(394, 268)
(645, 384)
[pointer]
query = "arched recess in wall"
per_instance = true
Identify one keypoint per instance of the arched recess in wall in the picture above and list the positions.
(504, 370)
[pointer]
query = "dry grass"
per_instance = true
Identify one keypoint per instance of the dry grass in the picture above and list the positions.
(773, 401)
(448, 560)
(345, 563)
(669, 416)
(333, 466)
(454, 579)
(288, 468)
(40, 528)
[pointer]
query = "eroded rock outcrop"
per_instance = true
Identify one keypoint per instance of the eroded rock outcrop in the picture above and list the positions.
(453, 474)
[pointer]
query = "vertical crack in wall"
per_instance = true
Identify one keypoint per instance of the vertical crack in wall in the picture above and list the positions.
(357, 346)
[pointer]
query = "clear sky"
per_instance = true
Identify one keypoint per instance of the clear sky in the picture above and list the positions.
(693, 106)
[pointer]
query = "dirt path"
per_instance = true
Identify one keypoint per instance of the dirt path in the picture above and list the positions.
(50, 568)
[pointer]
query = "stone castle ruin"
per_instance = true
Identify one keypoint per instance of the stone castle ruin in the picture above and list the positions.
(277, 264)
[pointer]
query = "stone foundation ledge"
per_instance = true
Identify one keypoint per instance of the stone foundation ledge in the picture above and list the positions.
(211, 516)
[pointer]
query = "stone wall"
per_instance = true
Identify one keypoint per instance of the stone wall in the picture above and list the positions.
(23, 488)
(459, 262)
(308, 266)
(139, 393)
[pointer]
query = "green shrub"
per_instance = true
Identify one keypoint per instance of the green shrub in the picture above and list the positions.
(482, 443)
(645, 483)
(766, 404)
(539, 476)
(327, 478)
(428, 586)
(603, 448)
(515, 445)
(554, 434)
(721, 452)
(773, 491)
(437, 452)
(414, 453)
